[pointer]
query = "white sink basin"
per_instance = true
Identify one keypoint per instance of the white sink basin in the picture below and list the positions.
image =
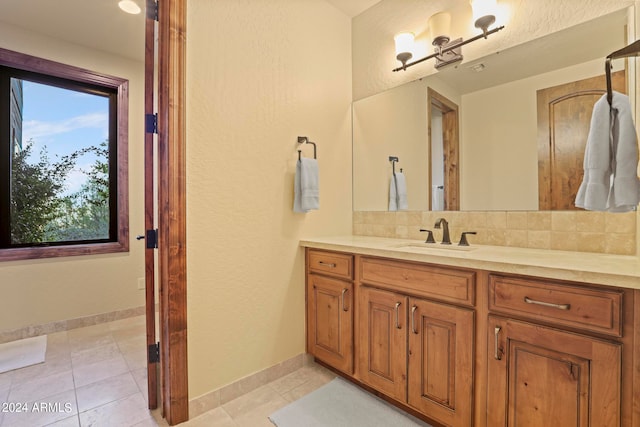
(435, 246)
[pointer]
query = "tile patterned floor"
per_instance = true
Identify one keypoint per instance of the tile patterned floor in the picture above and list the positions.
(96, 376)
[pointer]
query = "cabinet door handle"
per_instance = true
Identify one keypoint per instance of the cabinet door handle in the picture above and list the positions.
(398, 316)
(547, 304)
(344, 308)
(328, 264)
(496, 350)
(413, 319)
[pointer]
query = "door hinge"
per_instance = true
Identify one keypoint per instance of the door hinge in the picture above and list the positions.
(152, 10)
(153, 354)
(151, 123)
(152, 239)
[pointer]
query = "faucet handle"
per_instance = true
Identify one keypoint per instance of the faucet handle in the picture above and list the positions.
(440, 221)
(430, 238)
(463, 238)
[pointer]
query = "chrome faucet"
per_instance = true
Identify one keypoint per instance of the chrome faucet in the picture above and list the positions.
(446, 240)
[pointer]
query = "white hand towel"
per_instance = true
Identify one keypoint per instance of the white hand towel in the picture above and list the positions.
(624, 195)
(610, 180)
(398, 193)
(437, 198)
(306, 186)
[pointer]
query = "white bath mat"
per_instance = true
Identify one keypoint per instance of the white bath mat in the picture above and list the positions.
(342, 404)
(21, 353)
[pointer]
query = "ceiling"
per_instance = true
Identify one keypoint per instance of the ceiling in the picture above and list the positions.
(110, 29)
(353, 7)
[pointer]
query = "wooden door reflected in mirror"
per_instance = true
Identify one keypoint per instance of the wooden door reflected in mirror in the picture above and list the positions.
(444, 150)
(564, 118)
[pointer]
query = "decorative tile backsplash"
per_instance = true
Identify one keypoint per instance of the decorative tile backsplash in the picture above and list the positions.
(599, 232)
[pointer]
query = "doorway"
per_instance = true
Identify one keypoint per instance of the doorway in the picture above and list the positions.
(444, 152)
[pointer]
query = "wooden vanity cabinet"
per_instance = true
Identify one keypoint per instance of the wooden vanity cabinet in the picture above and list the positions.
(382, 341)
(527, 352)
(441, 360)
(540, 376)
(416, 350)
(330, 308)
(551, 366)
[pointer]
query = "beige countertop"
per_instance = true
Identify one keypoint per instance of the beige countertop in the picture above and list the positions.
(605, 269)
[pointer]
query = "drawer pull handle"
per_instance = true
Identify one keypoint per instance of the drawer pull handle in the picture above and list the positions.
(398, 316)
(496, 351)
(344, 308)
(328, 264)
(547, 304)
(413, 319)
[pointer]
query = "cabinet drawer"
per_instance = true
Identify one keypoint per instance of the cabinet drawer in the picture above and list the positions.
(597, 310)
(445, 284)
(331, 263)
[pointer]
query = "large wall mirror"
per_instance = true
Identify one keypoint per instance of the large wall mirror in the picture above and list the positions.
(504, 132)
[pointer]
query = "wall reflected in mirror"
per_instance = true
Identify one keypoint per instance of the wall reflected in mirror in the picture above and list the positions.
(490, 154)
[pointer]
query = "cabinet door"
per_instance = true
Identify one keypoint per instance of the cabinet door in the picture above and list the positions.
(540, 376)
(441, 355)
(382, 341)
(330, 321)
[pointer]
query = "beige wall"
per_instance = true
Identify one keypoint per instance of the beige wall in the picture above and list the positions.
(258, 75)
(43, 291)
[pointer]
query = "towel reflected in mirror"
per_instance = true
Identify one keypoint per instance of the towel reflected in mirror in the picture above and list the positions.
(398, 193)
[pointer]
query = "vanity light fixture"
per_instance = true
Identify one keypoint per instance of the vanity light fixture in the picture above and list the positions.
(439, 28)
(129, 6)
(483, 13)
(404, 45)
(447, 51)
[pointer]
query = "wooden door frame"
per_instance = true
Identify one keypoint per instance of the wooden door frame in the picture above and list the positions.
(451, 146)
(172, 231)
(149, 203)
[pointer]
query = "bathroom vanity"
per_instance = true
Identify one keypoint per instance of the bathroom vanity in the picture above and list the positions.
(490, 336)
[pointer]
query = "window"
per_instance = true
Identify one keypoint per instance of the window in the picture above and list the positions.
(63, 160)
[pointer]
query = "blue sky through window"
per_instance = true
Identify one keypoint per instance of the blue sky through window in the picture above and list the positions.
(64, 121)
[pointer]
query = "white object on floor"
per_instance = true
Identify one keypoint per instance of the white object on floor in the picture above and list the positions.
(342, 404)
(22, 353)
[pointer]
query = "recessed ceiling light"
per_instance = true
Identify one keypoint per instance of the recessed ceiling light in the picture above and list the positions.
(129, 6)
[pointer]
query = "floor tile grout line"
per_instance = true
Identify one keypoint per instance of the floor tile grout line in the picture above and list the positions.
(291, 389)
(129, 371)
(279, 393)
(75, 393)
(108, 403)
(73, 366)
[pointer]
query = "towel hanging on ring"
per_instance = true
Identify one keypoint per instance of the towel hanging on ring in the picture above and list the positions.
(306, 186)
(610, 181)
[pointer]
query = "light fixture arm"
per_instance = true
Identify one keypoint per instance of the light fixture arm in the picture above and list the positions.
(449, 48)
